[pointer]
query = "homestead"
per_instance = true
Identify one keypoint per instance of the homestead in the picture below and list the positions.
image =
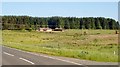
(49, 29)
(45, 29)
(58, 29)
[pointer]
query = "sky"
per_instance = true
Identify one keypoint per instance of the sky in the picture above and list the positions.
(60, 0)
(65, 9)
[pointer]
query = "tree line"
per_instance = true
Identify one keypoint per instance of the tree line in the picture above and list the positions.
(28, 22)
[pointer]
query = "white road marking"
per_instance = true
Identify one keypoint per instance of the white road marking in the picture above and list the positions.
(27, 60)
(8, 54)
(68, 61)
(61, 60)
(46, 56)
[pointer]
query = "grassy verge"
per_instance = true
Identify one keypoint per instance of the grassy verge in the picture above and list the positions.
(97, 45)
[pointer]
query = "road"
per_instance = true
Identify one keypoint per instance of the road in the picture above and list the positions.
(11, 56)
(17, 57)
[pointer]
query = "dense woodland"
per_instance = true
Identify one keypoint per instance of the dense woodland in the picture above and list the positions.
(27, 22)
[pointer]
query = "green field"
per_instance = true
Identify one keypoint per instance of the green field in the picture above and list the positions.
(97, 45)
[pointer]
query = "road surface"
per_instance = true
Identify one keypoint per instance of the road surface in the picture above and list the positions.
(11, 56)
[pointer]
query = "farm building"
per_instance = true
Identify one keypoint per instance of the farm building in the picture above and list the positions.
(45, 29)
(58, 29)
(49, 29)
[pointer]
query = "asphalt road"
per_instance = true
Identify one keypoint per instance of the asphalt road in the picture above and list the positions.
(17, 57)
(11, 56)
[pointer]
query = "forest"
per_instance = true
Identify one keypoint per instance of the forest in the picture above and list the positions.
(28, 22)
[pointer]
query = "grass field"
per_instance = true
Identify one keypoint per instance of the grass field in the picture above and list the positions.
(97, 45)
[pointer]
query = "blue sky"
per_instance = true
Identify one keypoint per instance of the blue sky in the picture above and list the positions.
(60, 0)
(73, 9)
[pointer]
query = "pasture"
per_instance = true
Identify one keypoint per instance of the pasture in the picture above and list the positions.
(96, 45)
